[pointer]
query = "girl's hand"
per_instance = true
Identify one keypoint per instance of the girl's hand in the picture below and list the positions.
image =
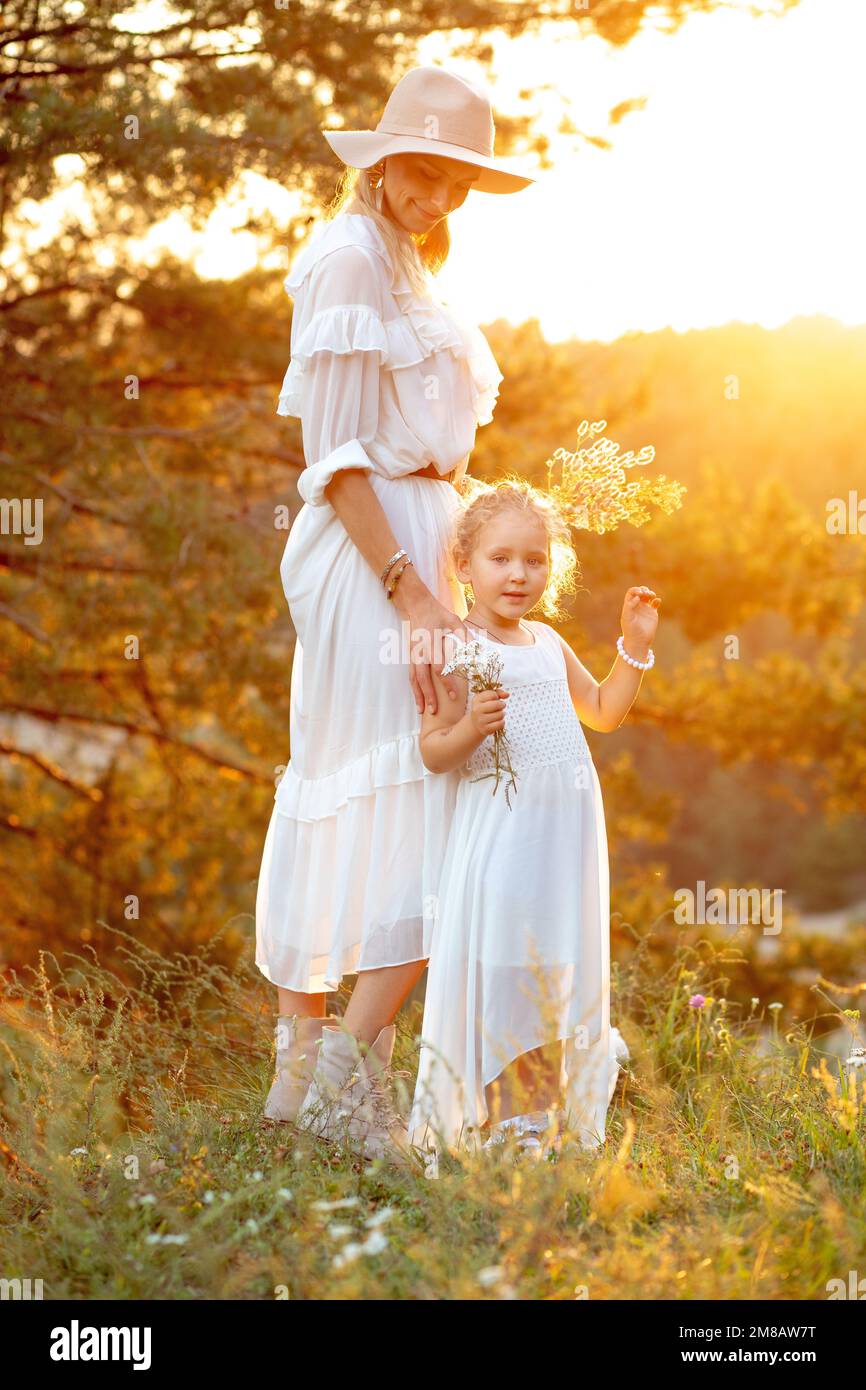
(487, 711)
(639, 619)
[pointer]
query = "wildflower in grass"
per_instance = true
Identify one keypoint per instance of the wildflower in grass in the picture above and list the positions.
(157, 1239)
(74, 1153)
(697, 1002)
(379, 1217)
(843, 1108)
(490, 1275)
(723, 1038)
(339, 1229)
(346, 1256)
(375, 1243)
(252, 1226)
(256, 1176)
(337, 1205)
(485, 673)
(853, 1063)
(285, 1193)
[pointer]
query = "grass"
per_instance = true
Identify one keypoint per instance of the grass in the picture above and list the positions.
(136, 1163)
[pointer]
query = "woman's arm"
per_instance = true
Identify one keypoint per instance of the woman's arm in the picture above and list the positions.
(363, 516)
(339, 340)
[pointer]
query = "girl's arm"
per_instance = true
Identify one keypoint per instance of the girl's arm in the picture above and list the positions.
(603, 705)
(450, 736)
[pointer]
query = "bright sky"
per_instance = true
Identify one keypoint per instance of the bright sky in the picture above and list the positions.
(736, 193)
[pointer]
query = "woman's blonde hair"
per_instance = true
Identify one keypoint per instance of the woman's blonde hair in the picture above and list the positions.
(420, 254)
(485, 501)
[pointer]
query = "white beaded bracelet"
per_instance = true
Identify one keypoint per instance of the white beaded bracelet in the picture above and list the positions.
(639, 665)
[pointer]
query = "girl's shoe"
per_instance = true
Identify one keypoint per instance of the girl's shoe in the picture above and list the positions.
(619, 1055)
(527, 1131)
(348, 1101)
(297, 1054)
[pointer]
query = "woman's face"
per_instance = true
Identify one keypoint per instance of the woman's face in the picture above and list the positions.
(421, 189)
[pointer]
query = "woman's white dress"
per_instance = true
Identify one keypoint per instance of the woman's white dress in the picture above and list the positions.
(388, 381)
(520, 951)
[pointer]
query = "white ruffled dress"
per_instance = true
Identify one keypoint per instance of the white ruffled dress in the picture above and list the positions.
(520, 951)
(387, 381)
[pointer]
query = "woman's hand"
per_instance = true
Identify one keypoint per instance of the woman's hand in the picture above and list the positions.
(428, 620)
(487, 711)
(639, 619)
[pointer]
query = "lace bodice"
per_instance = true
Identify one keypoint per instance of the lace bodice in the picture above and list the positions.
(541, 725)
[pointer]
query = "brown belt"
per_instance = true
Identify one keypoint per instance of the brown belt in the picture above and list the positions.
(431, 471)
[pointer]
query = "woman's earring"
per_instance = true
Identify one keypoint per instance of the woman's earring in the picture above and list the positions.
(377, 183)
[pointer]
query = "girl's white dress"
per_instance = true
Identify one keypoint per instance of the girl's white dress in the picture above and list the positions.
(520, 950)
(388, 381)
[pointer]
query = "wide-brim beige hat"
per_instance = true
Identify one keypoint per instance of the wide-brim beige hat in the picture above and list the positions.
(433, 111)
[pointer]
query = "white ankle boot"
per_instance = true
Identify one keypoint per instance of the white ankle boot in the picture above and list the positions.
(297, 1054)
(348, 1101)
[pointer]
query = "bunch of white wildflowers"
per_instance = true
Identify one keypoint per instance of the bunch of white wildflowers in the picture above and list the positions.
(483, 671)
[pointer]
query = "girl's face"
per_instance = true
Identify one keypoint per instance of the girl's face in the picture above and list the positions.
(421, 189)
(509, 567)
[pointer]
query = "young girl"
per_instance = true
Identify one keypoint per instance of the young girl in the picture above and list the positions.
(516, 1021)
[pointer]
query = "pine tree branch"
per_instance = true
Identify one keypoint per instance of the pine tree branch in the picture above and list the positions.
(136, 730)
(50, 769)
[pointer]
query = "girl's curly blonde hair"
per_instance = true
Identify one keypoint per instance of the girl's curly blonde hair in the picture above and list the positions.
(484, 501)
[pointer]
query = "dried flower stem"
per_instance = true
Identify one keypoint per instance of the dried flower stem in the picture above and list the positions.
(484, 672)
(593, 492)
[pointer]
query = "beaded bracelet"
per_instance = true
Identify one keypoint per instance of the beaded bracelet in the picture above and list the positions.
(394, 558)
(638, 665)
(396, 579)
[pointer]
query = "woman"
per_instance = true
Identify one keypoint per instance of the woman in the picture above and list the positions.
(390, 387)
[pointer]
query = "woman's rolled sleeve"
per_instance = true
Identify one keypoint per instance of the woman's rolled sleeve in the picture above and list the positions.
(340, 344)
(339, 417)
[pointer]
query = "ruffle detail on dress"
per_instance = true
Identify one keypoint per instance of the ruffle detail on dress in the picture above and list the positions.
(386, 765)
(423, 327)
(484, 375)
(341, 328)
(434, 326)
